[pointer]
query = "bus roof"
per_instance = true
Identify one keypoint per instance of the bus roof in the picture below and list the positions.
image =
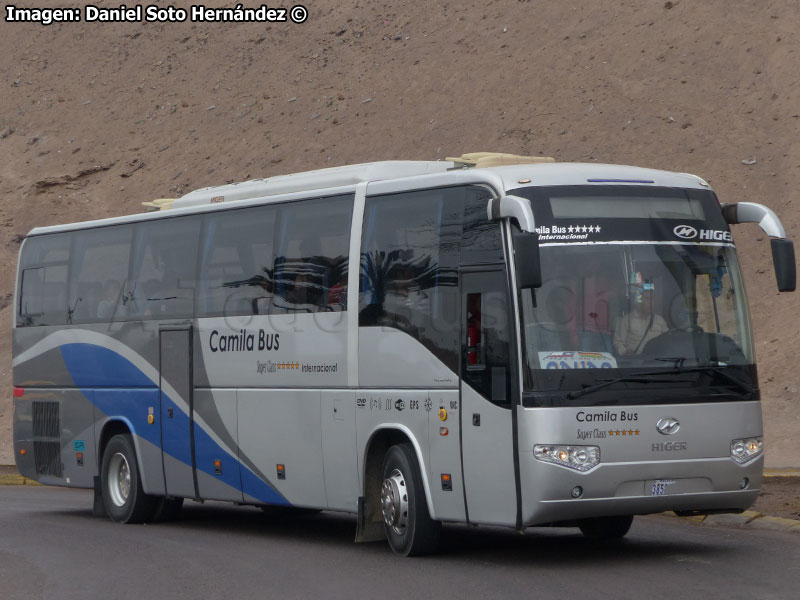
(397, 174)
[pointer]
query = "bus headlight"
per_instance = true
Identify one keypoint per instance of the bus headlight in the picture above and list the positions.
(580, 458)
(746, 449)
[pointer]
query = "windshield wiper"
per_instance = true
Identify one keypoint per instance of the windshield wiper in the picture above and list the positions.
(679, 369)
(636, 378)
(647, 377)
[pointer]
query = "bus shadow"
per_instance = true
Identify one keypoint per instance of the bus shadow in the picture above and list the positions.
(551, 547)
(557, 548)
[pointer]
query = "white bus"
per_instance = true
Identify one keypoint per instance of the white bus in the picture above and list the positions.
(412, 342)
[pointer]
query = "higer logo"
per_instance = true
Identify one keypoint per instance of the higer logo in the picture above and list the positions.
(686, 232)
(716, 235)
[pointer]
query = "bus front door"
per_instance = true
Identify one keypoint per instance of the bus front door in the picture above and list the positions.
(487, 449)
(176, 407)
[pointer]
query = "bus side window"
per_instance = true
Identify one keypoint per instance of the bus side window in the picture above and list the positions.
(237, 261)
(43, 283)
(32, 295)
(99, 266)
(162, 278)
(481, 242)
(312, 246)
(409, 267)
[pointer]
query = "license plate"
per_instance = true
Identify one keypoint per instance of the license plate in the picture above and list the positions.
(658, 487)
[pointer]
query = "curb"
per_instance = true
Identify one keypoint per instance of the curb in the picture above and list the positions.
(749, 519)
(783, 472)
(16, 479)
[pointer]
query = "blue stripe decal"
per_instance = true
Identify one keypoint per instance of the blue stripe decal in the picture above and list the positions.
(95, 366)
(105, 378)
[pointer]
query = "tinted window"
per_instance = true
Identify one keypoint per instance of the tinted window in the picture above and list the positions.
(481, 241)
(43, 280)
(99, 267)
(238, 262)
(312, 244)
(280, 258)
(409, 266)
(163, 266)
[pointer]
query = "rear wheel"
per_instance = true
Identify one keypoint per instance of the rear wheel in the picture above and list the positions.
(606, 528)
(408, 525)
(123, 496)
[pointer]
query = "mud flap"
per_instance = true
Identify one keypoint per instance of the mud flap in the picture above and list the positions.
(367, 528)
(98, 508)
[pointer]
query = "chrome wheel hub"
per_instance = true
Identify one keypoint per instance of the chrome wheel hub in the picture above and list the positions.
(119, 479)
(394, 502)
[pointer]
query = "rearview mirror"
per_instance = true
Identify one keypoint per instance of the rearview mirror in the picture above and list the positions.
(783, 260)
(526, 258)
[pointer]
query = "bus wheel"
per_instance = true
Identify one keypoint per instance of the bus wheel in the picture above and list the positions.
(606, 528)
(123, 497)
(409, 527)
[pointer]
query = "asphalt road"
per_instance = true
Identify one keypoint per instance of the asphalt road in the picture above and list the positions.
(51, 547)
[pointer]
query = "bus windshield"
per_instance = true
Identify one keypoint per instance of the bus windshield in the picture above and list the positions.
(621, 309)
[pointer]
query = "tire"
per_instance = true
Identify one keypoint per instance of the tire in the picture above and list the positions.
(408, 525)
(123, 497)
(167, 509)
(606, 528)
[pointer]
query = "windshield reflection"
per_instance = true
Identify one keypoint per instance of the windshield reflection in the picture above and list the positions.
(631, 306)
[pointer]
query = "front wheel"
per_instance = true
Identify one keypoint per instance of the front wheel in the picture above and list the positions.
(123, 496)
(408, 525)
(606, 528)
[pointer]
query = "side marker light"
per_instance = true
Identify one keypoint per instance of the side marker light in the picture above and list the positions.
(447, 482)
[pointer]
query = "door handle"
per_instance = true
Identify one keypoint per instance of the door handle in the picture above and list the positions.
(476, 419)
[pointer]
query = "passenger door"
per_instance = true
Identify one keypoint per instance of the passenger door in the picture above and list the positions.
(176, 408)
(486, 428)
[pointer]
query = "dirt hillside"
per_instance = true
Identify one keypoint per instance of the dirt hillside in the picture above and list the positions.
(98, 117)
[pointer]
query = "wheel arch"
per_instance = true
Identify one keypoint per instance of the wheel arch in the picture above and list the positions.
(382, 438)
(152, 478)
(112, 427)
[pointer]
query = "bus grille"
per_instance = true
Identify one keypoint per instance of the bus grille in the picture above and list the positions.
(48, 458)
(46, 420)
